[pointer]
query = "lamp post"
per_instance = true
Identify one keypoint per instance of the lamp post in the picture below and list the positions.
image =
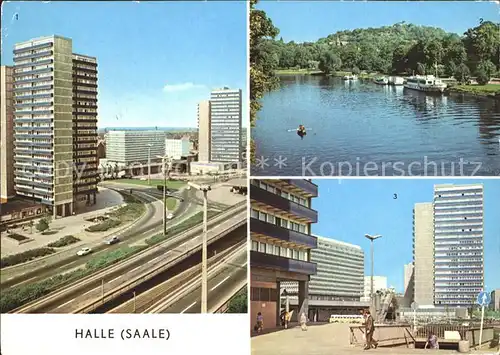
(372, 299)
(166, 167)
(204, 286)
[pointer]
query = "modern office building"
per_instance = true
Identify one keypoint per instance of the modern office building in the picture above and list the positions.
(423, 254)
(458, 244)
(226, 126)
(85, 138)
(280, 227)
(134, 147)
(379, 284)
(177, 148)
(495, 300)
(204, 133)
(50, 124)
(7, 190)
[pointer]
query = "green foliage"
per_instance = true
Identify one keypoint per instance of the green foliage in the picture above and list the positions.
(25, 256)
(42, 225)
(239, 303)
(181, 227)
(104, 226)
(462, 73)
(484, 71)
(64, 241)
(329, 62)
(420, 69)
(356, 71)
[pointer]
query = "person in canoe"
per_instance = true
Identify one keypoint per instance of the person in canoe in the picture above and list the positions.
(301, 131)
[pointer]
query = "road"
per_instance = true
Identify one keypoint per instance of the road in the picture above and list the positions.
(172, 281)
(161, 255)
(228, 278)
(149, 224)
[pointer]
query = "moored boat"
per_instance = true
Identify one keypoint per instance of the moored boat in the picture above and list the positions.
(382, 80)
(396, 80)
(426, 83)
(349, 77)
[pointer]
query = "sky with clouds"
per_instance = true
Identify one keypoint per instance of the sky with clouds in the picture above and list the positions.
(156, 60)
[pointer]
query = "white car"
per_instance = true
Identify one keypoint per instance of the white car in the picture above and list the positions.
(170, 216)
(84, 251)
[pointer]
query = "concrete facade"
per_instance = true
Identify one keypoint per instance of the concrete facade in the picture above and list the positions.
(408, 273)
(495, 300)
(458, 244)
(225, 125)
(379, 283)
(177, 148)
(423, 253)
(129, 147)
(204, 132)
(7, 190)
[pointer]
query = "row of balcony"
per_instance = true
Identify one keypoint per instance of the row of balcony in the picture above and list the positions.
(34, 88)
(46, 53)
(35, 63)
(34, 47)
(274, 262)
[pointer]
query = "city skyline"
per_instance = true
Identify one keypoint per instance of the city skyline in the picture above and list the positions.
(325, 18)
(162, 86)
(392, 218)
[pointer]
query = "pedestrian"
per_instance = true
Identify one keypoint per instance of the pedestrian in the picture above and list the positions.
(287, 319)
(369, 330)
(260, 322)
(303, 322)
(432, 341)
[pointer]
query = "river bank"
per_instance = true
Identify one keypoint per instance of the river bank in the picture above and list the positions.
(488, 90)
(338, 74)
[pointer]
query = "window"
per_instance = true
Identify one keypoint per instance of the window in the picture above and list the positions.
(255, 245)
(254, 213)
(262, 216)
(284, 252)
(262, 247)
(271, 219)
(269, 248)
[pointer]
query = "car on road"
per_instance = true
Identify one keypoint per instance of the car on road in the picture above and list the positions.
(84, 251)
(112, 240)
(170, 216)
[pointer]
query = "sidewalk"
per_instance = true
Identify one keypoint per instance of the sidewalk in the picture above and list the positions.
(325, 340)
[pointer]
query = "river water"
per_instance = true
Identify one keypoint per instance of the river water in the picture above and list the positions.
(363, 129)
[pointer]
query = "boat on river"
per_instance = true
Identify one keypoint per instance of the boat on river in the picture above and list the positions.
(350, 77)
(426, 83)
(396, 80)
(381, 80)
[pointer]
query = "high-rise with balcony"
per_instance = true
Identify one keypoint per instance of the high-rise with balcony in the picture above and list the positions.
(85, 137)
(49, 124)
(280, 227)
(6, 135)
(458, 244)
(225, 126)
(423, 254)
(204, 134)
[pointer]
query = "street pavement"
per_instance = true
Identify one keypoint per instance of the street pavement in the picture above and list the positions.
(324, 340)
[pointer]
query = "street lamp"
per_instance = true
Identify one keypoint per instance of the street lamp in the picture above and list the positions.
(372, 299)
(149, 164)
(204, 189)
(166, 160)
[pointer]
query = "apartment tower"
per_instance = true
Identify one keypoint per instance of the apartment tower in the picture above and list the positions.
(7, 190)
(458, 244)
(225, 126)
(423, 254)
(48, 139)
(204, 133)
(280, 229)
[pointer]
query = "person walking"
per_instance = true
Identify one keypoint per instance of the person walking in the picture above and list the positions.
(369, 330)
(260, 323)
(303, 321)
(287, 319)
(432, 340)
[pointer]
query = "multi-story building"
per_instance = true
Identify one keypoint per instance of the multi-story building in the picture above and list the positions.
(47, 116)
(85, 138)
(409, 282)
(423, 254)
(177, 148)
(225, 126)
(280, 227)
(458, 244)
(204, 132)
(495, 300)
(134, 147)
(379, 284)
(7, 190)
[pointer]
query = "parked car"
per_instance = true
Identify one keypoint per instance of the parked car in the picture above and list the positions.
(112, 240)
(170, 216)
(84, 251)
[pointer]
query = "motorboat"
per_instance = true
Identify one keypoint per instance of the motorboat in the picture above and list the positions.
(426, 83)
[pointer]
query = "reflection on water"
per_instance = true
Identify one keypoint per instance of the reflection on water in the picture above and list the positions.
(359, 122)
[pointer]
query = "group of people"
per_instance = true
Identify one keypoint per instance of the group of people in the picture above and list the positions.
(285, 321)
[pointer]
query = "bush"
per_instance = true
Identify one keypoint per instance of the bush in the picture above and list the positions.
(42, 225)
(462, 73)
(64, 241)
(104, 226)
(355, 71)
(482, 77)
(18, 237)
(25, 256)
(484, 72)
(49, 232)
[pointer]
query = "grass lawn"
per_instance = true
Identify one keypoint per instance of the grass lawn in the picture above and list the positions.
(171, 203)
(478, 89)
(174, 184)
(296, 71)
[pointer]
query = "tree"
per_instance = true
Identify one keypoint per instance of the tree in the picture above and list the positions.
(420, 69)
(484, 71)
(462, 73)
(262, 78)
(329, 63)
(483, 42)
(356, 71)
(43, 224)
